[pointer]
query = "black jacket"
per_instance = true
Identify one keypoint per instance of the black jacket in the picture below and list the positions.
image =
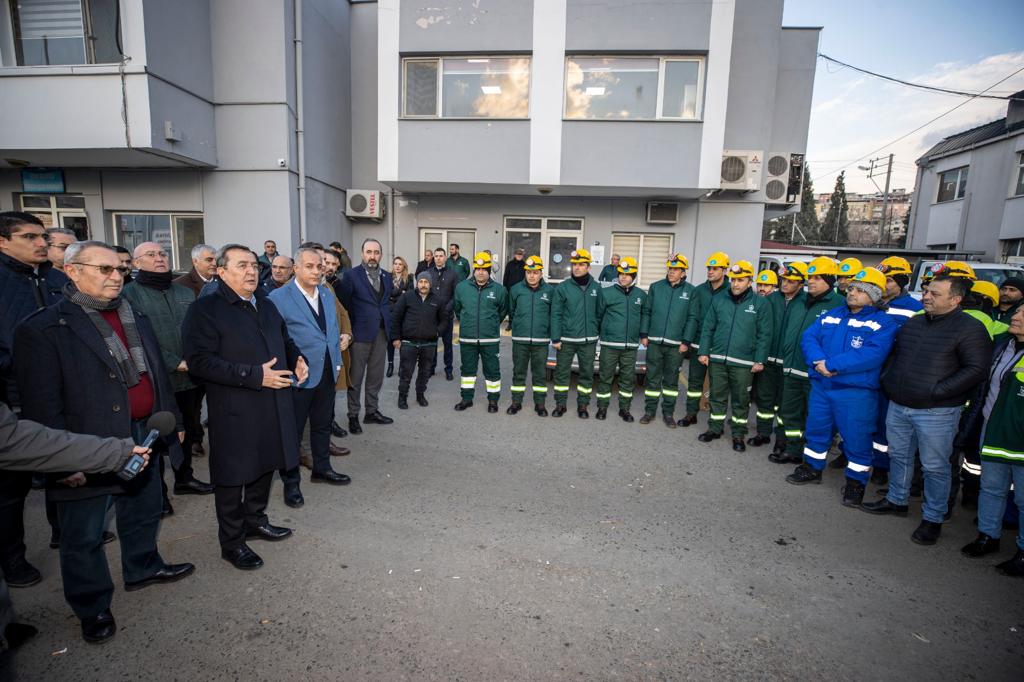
(937, 361)
(416, 319)
(443, 283)
(515, 272)
(398, 290)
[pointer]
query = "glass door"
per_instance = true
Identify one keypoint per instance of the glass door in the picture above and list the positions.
(434, 237)
(559, 251)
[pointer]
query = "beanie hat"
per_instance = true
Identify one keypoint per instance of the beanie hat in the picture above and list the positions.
(1015, 282)
(901, 280)
(829, 279)
(873, 291)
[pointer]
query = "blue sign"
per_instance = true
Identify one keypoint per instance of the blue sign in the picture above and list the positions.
(42, 180)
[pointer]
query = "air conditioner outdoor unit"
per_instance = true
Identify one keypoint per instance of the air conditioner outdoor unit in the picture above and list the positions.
(662, 212)
(364, 203)
(741, 170)
(784, 177)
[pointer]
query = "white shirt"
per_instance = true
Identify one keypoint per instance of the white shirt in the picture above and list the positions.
(313, 299)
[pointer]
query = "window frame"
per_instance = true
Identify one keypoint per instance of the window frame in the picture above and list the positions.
(88, 36)
(439, 107)
(1018, 187)
(640, 255)
(956, 191)
(660, 103)
(545, 233)
(171, 215)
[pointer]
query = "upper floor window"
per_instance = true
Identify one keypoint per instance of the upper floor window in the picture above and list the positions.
(952, 184)
(66, 31)
(466, 87)
(634, 88)
(1019, 187)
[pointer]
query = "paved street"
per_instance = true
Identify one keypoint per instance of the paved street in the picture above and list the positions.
(485, 547)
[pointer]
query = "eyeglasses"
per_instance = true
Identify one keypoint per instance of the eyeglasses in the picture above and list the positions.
(32, 236)
(60, 247)
(155, 254)
(107, 270)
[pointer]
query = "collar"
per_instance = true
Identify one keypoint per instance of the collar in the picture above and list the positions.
(313, 298)
(24, 269)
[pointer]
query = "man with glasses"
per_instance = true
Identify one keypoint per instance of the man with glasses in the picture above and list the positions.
(280, 272)
(28, 282)
(60, 239)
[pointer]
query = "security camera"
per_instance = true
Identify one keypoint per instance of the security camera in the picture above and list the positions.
(545, 190)
(282, 163)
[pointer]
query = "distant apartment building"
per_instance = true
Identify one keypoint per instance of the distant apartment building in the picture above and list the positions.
(864, 211)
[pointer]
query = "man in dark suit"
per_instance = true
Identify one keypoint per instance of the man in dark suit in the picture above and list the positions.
(364, 293)
(443, 280)
(239, 347)
(91, 364)
(204, 268)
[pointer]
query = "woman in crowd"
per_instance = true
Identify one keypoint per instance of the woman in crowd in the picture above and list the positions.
(401, 278)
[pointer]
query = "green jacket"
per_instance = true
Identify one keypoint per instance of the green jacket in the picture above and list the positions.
(797, 321)
(621, 313)
(781, 311)
(166, 311)
(609, 273)
(666, 310)
(480, 311)
(574, 312)
(461, 266)
(530, 312)
(1004, 429)
(700, 303)
(737, 331)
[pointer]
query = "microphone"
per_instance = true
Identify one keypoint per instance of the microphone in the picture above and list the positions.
(159, 424)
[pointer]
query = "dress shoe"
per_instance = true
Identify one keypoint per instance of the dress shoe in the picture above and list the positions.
(558, 411)
(391, 370)
(168, 574)
(804, 474)
(332, 477)
(293, 496)
(20, 573)
(448, 375)
(602, 413)
(927, 533)
(242, 558)
(541, 411)
(839, 462)
(403, 402)
(268, 532)
(708, 436)
(513, 408)
(582, 413)
(687, 420)
(99, 628)
(784, 458)
(337, 431)
(16, 634)
(884, 506)
(853, 493)
(492, 406)
(1013, 567)
(647, 418)
(626, 416)
(670, 421)
(981, 546)
(421, 400)
(738, 445)
(759, 440)
(193, 487)
(337, 450)
(880, 476)
(463, 405)
(377, 418)
(167, 509)
(198, 450)
(306, 460)
(353, 425)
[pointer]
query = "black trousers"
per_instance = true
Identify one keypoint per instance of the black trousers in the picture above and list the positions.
(14, 488)
(240, 507)
(449, 350)
(317, 406)
(413, 354)
(190, 404)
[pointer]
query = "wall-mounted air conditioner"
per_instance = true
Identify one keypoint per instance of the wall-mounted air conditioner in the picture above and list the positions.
(784, 177)
(741, 170)
(364, 203)
(662, 212)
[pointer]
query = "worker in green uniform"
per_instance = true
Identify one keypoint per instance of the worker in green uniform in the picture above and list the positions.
(734, 344)
(575, 322)
(529, 313)
(458, 262)
(610, 272)
(699, 305)
(662, 325)
(763, 388)
(622, 309)
(481, 304)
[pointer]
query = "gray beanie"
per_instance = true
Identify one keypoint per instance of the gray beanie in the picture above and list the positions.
(873, 292)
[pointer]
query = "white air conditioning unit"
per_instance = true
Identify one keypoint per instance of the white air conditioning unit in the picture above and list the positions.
(662, 212)
(364, 203)
(783, 178)
(741, 170)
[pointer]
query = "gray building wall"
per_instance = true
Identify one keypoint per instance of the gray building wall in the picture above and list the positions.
(665, 25)
(490, 26)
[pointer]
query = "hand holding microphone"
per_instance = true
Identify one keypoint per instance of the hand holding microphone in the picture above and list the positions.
(159, 424)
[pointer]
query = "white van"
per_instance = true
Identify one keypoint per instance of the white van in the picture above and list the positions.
(990, 272)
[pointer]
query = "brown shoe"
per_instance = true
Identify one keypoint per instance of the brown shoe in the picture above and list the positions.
(338, 451)
(306, 460)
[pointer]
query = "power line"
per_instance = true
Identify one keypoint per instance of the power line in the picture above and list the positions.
(920, 127)
(920, 86)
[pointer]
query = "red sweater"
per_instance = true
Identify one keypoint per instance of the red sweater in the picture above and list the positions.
(140, 396)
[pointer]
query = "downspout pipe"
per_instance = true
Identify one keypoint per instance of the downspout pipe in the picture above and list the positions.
(300, 140)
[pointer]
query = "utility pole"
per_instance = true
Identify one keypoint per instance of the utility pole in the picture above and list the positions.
(883, 226)
(885, 202)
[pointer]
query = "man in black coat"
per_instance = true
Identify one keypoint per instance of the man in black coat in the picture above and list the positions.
(91, 364)
(238, 346)
(515, 271)
(443, 279)
(418, 319)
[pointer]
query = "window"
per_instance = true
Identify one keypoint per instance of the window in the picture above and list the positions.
(634, 88)
(66, 31)
(59, 210)
(553, 239)
(952, 184)
(650, 250)
(177, 233)
(1019, 189)
(466, 87)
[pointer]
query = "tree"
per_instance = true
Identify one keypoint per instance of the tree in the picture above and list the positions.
(835, 228)
(807, 219)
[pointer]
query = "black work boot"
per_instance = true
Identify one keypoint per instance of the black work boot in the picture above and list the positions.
(602, 413)
(403, 401)
(558, 411)
(1013, 567)
(421, 399)
(647, 418)
(540, 410)
(884, 507)
(804, 474)
(927, 533)
(708, 436)
(582, 413)
(982, 545)
(853, 493)
(463, 404)
(738, 446)
(626, 416)
(759, 440)
(670, 421)
(513, 408)
(492, 406)
(687, 420)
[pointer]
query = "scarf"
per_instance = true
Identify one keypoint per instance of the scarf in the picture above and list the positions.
(582, 281)
(373, 274)
(155, 280)
(131, 361)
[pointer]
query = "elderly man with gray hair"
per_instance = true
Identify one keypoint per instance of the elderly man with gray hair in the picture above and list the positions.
(204, 268)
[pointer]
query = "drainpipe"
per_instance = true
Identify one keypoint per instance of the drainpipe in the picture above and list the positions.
(300, 142)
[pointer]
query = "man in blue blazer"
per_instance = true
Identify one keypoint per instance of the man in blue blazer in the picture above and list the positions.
(308, 311)
(364, 293)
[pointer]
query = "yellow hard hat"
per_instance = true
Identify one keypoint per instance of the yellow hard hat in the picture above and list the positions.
(533, 263)
(482, 260)
(627, 266)
(768, 277)
(894, 265)
(796, 271)
(870, 276)
(822, 265)
(719, 259)
(580, 256)
(678, 260)
(987, 289)
(848, 267)
(958, 268)
(740, 268)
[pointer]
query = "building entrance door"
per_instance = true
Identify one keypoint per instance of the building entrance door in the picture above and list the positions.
(553, 239)
(434, 237)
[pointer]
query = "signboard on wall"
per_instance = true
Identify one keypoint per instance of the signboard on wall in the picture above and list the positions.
(42, 180)
(597, 254)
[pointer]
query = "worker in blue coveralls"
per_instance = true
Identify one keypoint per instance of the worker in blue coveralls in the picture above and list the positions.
(846, 347)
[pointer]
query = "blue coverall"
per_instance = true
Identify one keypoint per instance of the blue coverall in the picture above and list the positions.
(901, 309)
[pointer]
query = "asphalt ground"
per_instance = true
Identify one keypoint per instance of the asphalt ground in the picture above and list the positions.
(476, 546)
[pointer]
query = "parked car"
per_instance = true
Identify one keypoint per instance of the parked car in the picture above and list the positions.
(990, 272)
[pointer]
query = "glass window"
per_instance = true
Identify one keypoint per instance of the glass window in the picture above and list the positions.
(421, 88)
(188, 232)
(679, 99)
(1020, 175)
(564, 224)
(485, 87)
(650, 250)
(134, 229)
(613, 88)
(66, 31)
(952, 184)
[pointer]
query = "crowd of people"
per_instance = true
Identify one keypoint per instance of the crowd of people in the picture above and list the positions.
(924, 397)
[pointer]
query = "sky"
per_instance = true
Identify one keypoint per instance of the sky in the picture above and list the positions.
(958, 44)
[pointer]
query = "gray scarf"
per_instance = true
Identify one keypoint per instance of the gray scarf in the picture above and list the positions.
(130, 361)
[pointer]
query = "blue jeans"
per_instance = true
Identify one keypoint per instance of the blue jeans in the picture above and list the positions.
(930, 431)
(996, 478)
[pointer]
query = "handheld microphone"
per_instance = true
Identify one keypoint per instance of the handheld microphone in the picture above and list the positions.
(159, 424)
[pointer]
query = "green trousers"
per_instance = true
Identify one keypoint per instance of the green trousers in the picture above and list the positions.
(729, 384)
(694, 383)
(793, 412)
(623, 360)
(662, 378)
(767, 394)
(487, 353)
(563, 372)
(532, 357)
